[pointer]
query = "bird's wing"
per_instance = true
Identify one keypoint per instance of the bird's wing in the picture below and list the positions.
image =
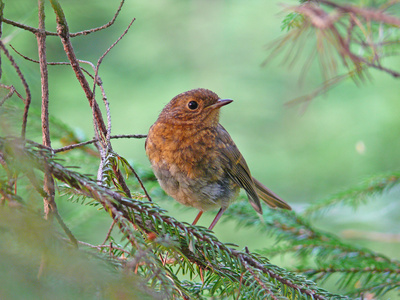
(235, 165)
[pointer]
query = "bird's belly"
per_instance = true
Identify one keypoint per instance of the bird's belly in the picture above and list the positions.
(202, 193)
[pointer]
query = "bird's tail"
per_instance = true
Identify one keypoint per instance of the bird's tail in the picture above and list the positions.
(269, 197)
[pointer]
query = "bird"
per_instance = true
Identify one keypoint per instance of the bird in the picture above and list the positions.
(195, 159)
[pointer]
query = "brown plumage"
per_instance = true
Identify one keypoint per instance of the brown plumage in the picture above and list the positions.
(195, 159)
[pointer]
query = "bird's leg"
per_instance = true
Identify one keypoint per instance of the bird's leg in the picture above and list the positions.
(217, 217)
(197, 217)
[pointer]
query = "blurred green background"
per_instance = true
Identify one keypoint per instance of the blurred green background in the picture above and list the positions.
(302, 153)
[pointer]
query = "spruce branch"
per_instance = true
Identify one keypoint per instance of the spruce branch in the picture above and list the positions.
(189, 245)
(319, 254)
(358, 195)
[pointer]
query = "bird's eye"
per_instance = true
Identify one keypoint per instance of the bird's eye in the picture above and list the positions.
(193, 105)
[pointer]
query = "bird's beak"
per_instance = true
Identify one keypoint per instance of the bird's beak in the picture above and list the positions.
(220, 103)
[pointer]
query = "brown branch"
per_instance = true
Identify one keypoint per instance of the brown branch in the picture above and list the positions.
(27, 100)
(96, 79)
(49, 33)
(63, 32)
(70, 147)
(109, 232)
(27, 28)
(140, 182)
(57, 63)
(366, 13)
(11, 91)
(85, 32)
(256, 278)
(50, 207)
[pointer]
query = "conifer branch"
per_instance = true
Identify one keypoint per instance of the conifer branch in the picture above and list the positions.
(137, 219)
(355, 196)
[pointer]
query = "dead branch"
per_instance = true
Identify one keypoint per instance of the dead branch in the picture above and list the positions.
(27, 100)
(97, 77)
(57, 63)
(368, 14)
(122, 136)
(49, 33)
(63, 32)
(85, 32)
(48, 182)
(105, 144)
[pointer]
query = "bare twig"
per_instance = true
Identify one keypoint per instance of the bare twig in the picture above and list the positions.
(109, 232)
(140, 182)
(11, 91)
(27, 100)
(85, 32)
(69, 147)
(255, 264)
(27, 28)
(59, 63)
(96, 79)
(49, 33)
(368, 14)
(48, 184)
(68, 232)
(63, 32)
(50, 207)
(105, 144)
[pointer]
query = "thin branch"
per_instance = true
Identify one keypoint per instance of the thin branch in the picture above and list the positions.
(49, 33)
(11, 92)
(122, 136)
(140, 181)
(26, 87)
(48, 182)
(109, 232)
(99, 247)
(27, 28)
(96, 79)
(60, 63)
(71, 237)
(366, 13)
(63, 32)
(85, 32)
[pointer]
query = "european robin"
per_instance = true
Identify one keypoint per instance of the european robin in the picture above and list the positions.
(196, 161)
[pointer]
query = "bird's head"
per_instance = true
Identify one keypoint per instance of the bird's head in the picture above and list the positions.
(195, 107)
